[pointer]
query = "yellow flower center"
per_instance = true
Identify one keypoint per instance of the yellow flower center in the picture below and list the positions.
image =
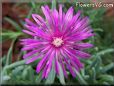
(57, 42)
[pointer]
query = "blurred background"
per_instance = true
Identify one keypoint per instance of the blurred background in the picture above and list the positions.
(101, 63)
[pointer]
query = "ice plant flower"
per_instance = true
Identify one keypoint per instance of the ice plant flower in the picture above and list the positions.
(57, 41)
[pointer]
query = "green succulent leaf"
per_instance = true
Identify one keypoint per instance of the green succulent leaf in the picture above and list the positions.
(51, 76)
(61, 75)
(9, 54)
(14, 23)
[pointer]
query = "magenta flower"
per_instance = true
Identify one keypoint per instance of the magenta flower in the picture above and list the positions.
(57, 40)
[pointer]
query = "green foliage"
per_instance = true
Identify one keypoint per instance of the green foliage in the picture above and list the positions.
(16, 25)
(61, 75)
(6, 34)
(53, 4)
(80, 78)
(99, 69)
(9, 54)
(51, 77)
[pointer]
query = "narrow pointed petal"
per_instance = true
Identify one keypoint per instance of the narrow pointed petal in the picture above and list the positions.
(44, 59)
(28, 32)
(60, 14)
(29, 48)
(81, 24)
(44, 71)
(83, 45)
(33, 59)
(31, 28)
(63, 67)
(69, 14)
(71, 24)
(31, 53)
(82, 54)
(39, 20)
(56, 62)
(73, 57)
(30, 23)
(46, 13)
(70, 68)
(55, 18)
(49, 63)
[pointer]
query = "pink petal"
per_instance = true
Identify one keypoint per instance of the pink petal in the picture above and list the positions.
(33, 59)
(73, 57)
(63, 67)
(69, 14)
(70, 67)
(30, 23)
(83, 45)
(56, 63)
(60, 14)
(28, 32)
(46, 13)
(82, 54)
(49, 63)
(31, 53)
(39, 20)
(44, 59)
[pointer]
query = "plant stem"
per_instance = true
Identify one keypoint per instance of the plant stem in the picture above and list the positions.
(11, 66)
(15, 64)
(80, 78)
(53, 4)
(8, 59)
